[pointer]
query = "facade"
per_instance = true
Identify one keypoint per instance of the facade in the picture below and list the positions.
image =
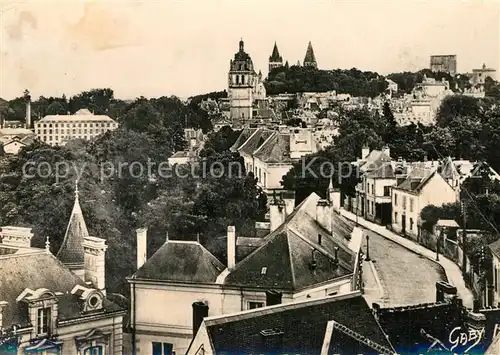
(242, 80)
(275, 59)
(444, 63)
(59, 129)
(57, 305)
(480, 75)
(310, 58)
(310, 252)
(342, 324)
(421, 188)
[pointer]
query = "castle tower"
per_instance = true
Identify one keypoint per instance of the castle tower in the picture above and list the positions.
(71, 252)
(275, 60)
(242, 80)
(310, 58)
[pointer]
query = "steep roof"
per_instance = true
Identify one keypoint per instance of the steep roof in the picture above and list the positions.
(303, 328)
(255, 141)
(386, 171)
(35, 271)
(71, 251)
(417, 179)
(449, 170)
(309, 57)
(244, 135)
(181, 261)
(276, 149)
(275, 56)
(284, 259)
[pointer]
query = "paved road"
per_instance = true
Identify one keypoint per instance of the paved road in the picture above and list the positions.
(401, 277)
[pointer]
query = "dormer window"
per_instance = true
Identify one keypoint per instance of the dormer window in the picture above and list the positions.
(42, 310)
(91, 298)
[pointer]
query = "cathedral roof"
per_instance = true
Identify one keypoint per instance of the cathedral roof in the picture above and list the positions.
(71, 251)
(275, 56)
(310, 57)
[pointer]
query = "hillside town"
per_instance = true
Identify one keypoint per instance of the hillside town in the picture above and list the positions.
(310, 211)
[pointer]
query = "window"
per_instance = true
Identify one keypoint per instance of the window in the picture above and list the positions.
(94, 350)
(162, 348)
(43, 321)
(411, 223)
(411, 204)
(395, 217)
(395, 199)
(253, 305)
(387, 190)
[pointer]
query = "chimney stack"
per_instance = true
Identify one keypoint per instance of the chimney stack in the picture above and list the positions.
(324, 214)
(16, 236)
(231, 247)
(142, 236)
(387, 151)
(95, 262)
(277, 213)
(289, 200)
(364, 152)
(200, 311)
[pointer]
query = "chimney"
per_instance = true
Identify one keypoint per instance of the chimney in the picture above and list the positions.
(142, 237)
(336, 260)
(95, 262)
(324, 214)
(231, 247)
(387, 151)
(334, 197)
(277, 213)
(16, 236)
(364, 152)
(200, 311)
(289, 200)
(28, 112)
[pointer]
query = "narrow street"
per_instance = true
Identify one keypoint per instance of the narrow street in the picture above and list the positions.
(396, 276)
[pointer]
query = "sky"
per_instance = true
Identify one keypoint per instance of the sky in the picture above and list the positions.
(161, 48)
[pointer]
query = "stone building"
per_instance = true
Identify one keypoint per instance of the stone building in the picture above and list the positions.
(275, 60)
(57, 305)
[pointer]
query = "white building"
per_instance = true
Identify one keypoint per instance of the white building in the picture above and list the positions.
(59, 129)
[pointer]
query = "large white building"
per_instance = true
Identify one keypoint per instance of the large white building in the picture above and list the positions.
(59, 129)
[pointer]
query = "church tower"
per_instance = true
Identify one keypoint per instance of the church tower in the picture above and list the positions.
(242, 80)
(275, 60)
(310, 58)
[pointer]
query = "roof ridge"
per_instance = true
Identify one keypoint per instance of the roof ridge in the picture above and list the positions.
(274, 134)
(292, 269)
(248, 139)
(361, 338)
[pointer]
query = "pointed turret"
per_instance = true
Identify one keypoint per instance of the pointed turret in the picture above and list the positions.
(310, 58)
(71, 252)
(275, 60)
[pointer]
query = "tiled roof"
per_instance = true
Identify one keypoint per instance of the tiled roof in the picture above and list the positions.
(181, 261)
(34, 271)
(417, 179)
(255, 141)
(287, 252)
(244, 135)
(71, 251)
(275, 150)
(374, 160)
(302, 325)
(386, 171)
(449, 170)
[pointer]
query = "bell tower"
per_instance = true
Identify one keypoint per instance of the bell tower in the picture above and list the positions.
(241, 81)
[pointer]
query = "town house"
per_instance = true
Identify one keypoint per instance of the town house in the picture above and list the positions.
(57, 305)
(311, 251)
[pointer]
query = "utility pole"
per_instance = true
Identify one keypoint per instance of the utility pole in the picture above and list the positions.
(438, 243)
(367, 248)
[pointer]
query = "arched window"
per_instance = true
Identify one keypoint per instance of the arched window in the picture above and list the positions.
(237, 79)
(243, 79)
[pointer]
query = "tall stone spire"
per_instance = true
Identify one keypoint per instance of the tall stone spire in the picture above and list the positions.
(275, 60)
(310, 58)
(71, 252)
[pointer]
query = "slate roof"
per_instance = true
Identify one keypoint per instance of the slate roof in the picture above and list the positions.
(34, 271)
(417, 179)
(374, 161)
(309, 57)
(71, 251)
(255, 141)
(303, 326)
(244, 135)
(386, 171)
(276, 149)
(275, 55)
(181, 261)
(286, 253)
